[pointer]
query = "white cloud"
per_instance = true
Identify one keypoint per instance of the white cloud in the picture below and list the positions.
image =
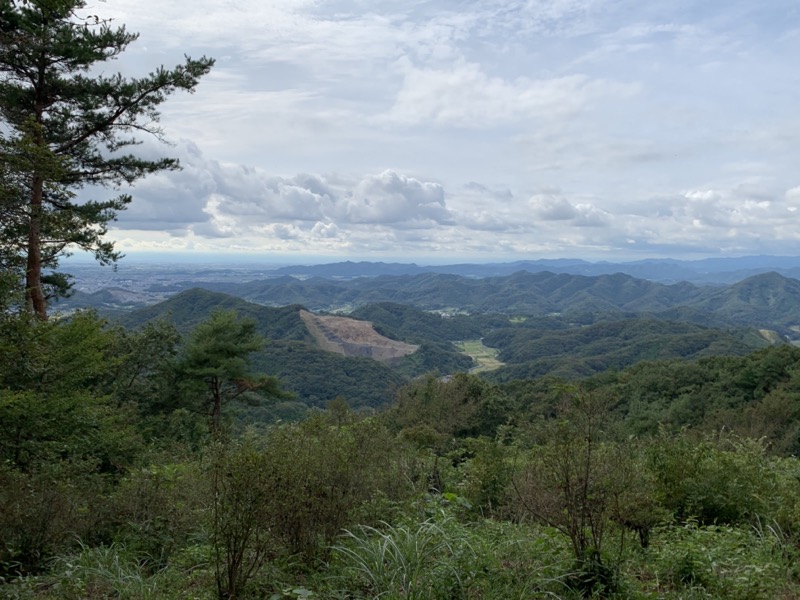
(228, 200)
(591, 127)
(793, 197)
(551, 207)
(211, 204)
(392, 198)
(464, 95)
(590, 216)
(328, 231)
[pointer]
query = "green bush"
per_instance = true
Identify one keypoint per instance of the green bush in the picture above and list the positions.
(406, 562)
(158, 510)
(723, 562)
(327, 475)
(44, 513)
(102, 572)
(721, 479)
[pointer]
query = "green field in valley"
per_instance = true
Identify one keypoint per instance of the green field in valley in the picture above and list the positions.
(484, 357)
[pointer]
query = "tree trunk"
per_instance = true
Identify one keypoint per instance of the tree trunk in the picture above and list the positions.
(34, 294)
(216, 407)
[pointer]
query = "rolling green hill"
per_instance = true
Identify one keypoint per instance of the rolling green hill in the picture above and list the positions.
(563, 345)
(316, 376)
(765, 301)
(531, 351)
(189, 308)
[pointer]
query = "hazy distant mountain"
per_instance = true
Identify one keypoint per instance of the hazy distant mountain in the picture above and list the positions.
(767, 300)
(707, 271)
(110, 300)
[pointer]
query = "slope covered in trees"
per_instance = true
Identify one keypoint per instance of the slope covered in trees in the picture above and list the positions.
(764, 301)
(530, 350)
(313, 375)
(519, 293)
(530, 347)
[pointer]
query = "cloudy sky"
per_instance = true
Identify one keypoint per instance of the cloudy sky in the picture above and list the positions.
(477, 130)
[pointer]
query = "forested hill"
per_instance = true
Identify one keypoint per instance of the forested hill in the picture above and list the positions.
(768, 300)
(193, 306)
(313, 375)
(535, 349)
(528, 347)
(522, 293)
(764, 301)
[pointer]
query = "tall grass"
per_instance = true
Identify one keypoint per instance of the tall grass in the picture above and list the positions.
(444, 559)
(107, 572)
(406, 563)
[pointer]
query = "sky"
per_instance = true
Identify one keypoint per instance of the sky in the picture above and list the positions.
(487, 130)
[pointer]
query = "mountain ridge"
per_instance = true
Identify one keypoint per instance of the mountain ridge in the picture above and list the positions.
(715, 271)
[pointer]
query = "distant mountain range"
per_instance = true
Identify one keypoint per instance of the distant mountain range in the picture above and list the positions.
(539, 322)
(705, 271)
(767, 300)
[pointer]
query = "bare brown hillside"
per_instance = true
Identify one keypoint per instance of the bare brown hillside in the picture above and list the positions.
(351, 337)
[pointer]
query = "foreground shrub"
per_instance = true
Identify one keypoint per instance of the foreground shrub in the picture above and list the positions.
(43, 513)
(409, 563)
(722, 479)
(293, 490)
(109, 572)
(443, 559)
(723, 562)
(587, 488)
(158, 510)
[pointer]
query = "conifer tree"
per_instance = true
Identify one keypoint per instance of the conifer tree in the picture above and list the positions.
(215, 367)
(68, 127)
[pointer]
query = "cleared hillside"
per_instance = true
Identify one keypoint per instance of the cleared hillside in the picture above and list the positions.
(351, 337)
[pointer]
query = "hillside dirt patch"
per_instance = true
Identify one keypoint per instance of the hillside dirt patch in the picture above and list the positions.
(351, 337)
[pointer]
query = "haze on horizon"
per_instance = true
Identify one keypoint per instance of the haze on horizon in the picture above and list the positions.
(499, 130)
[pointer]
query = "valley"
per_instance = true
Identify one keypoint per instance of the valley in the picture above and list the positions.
(485, 358)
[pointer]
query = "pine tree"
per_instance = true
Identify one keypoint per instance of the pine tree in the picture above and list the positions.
(68, 128)
(215, 367)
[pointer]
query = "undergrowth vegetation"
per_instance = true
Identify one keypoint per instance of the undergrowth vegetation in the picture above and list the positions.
(119, 478)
